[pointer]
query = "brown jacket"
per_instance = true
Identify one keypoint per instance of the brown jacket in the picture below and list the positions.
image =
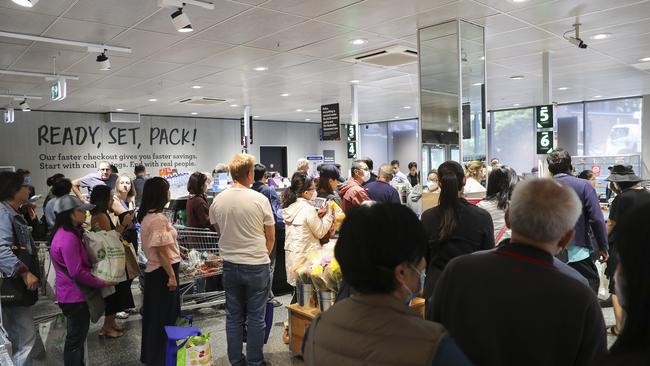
(372, 330)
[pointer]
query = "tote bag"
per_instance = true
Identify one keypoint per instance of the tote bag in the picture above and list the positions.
(107, 255)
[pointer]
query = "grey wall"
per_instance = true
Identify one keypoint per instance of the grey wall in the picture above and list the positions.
(217, 140)
(645, 136)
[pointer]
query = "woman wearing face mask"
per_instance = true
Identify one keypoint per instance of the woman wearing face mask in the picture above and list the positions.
(381, 252)
(328, 183)
(432, 182)
(501, 183)
(304, 225)
(633, 289)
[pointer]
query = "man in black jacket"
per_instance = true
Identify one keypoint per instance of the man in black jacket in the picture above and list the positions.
(512, 306)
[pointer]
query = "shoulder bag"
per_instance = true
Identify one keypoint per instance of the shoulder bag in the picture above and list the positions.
(13, 291)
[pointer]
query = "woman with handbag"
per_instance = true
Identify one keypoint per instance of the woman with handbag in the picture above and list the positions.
(161, 304)
(122, 299)
(73, 275)
(18, 262)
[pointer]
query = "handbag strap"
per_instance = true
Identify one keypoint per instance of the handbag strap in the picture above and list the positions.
(501, 233)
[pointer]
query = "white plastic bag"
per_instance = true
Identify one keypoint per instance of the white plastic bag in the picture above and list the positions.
(106, 253)
(603, 290)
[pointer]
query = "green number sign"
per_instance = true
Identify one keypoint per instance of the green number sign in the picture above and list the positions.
(352, 150)
(352, 133)
(544, 116)
(544, 142)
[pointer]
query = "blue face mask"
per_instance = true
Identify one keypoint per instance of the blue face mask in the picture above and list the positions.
(413, 294)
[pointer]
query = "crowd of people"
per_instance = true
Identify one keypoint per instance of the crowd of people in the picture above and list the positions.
(506, 265)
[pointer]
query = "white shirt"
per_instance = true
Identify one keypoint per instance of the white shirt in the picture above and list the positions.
(400, 178)
(241, 214)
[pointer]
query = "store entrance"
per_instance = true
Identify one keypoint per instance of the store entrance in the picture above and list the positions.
(274, 158)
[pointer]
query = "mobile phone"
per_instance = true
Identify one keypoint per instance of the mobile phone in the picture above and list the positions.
(35, 198)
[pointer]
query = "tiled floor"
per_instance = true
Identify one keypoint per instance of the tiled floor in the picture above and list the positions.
(126, 350)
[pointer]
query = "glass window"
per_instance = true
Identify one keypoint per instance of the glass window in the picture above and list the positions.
(373, 139)
(402, 143)
(613, 127)
(513, 139)
(570, 127)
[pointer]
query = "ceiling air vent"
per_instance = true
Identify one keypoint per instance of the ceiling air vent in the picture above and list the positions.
(393, 56)
(201, 101)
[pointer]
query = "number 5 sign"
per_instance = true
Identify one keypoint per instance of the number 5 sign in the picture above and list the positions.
(544, 116)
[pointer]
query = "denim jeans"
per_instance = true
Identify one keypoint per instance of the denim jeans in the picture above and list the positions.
(247, 292)
(78, 318)
(18, 321)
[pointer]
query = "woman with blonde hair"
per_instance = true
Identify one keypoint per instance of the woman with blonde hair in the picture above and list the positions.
(123, 200)
(473, 175)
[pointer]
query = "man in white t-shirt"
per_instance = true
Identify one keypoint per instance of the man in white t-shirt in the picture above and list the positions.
(245, 221)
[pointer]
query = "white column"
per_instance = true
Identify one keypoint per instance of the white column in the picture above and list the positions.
(547, 82)
(645, 137)
(354, 116)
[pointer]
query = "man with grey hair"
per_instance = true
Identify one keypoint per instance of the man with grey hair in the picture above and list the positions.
(303, 165)
(103, 177)
(352, 193)
(512, 306)
(381, 190)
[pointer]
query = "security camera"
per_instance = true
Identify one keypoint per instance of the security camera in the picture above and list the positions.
(575, 40)
(578, 42)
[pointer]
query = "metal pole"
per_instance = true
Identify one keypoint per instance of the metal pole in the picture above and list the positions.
(354, 114)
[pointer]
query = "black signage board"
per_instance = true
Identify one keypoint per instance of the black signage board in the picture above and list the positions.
(544, 142)
(352, 132)
(242, 129)
(329, 156)
(544, 116)
(330, 122)
(352, 150)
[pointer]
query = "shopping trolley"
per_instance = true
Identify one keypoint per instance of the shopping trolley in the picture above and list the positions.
(201, 260)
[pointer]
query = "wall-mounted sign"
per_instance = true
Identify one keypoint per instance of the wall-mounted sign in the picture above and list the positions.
(330, 122)
(544, 116)
(352, 132)
(544, 142)
(242, 133)
(352, 150)
(58, 90)
(329, 156)
(314, 162)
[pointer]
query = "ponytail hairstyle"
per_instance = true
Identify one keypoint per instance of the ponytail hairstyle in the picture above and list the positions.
(300, 183)
(452, 180)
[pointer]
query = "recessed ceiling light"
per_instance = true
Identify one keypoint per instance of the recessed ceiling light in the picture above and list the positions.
(516, 105)
(284, 94)
(261, 68)
(153, 99)
(598, 96)
(25, 3)
(358, 42)
(396, 117)
(601, 36)
(298, 110)
(519, 1)
(307, 119)
(120, 110)
(256, 116)
(196, 87)
(477, 84)
(234, 105)
(407, 107)
(645, 59)
(194, 113)
(355, 81)
(449, 129)
(517, 77)
(563, 88)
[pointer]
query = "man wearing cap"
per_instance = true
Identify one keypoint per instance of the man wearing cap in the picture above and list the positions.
(579, 250)
(631, 194)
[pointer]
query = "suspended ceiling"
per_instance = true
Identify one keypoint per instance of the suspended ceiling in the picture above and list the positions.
(303, 43)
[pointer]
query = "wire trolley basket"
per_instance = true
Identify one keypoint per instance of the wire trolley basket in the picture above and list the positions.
(200, 267)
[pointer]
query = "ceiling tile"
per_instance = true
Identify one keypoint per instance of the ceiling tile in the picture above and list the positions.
(191, 72)
(276, 62)
(308, 8)
(24, 21)
(509, 5)
(499, 23)
(341, 46)
(556, 10)
(144, 43)
(591, 23)
(9, 53)
(112, 12)
(249, 26)
(82, 31)
(147, 69)
(299, 35)
(190, 51)
(507, 39)
(50, 7)
(117, 82)
(236, 56)
(41, 59)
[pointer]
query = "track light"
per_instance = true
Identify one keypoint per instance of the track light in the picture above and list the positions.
(181, 21)
(24, 106)
(104, 62)
(25, 3)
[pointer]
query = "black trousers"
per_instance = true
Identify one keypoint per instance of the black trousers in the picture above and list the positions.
(588, 270)
(160, 307)
(78, 321)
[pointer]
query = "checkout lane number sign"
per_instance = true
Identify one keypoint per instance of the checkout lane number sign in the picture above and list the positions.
(544, 116)
(544, 142)
(544, 121)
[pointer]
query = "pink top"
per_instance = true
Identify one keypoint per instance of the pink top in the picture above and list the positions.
(156, 231)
